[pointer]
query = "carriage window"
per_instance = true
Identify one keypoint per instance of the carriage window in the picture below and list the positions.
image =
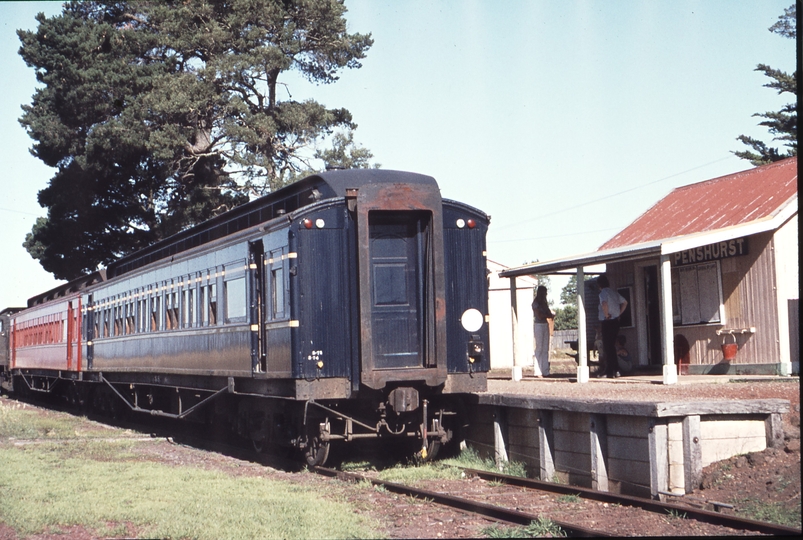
(212, 298)
(235, 300)
(155, 313)
(168, 311)
(190, 305)
(277, 291)
(106, 322)
(202, 313)
(115, 315)
(131, 318)
(171, 310)
(277, 285)
(174, 315)
(142, 315)
(184, 320)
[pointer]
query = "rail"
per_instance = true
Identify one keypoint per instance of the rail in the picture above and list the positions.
(645, 504)
(494, 512)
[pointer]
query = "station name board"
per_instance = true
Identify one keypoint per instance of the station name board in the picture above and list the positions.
(712, 252)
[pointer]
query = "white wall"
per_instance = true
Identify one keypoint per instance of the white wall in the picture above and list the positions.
(500, 325)
(786, 247)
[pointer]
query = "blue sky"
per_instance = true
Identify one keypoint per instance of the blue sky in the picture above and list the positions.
(564, 120)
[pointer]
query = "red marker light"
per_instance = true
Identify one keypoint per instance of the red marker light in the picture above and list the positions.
(308, 223)
(471, 223)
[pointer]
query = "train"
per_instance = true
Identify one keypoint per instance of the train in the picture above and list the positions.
(349, 306)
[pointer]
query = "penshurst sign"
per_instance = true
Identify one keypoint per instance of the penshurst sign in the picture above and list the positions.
(712, 252)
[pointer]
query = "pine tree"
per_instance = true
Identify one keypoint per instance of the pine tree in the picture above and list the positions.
(159, 115)
(781, 124)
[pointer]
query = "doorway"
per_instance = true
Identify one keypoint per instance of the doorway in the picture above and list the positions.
(652, 291)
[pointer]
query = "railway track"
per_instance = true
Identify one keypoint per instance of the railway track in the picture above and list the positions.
(186, 435)
(490, 511)
(518, 517)
(650, 505)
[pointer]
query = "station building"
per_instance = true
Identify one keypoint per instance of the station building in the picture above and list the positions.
(711, 274)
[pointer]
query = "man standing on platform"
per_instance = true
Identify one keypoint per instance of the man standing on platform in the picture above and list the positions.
(611, 306)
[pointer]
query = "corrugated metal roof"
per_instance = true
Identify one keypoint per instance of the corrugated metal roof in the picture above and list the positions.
(715, 204)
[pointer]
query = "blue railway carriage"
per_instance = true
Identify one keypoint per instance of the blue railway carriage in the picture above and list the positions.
(350, 305)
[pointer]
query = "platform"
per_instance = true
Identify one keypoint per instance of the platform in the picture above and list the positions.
(630, 435)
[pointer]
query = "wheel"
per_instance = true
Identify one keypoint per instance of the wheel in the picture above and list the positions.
(431, 450)
(317, 451)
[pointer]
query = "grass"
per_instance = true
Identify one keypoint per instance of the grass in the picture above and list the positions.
(447, 469)
(569, 498)
(676, 514)
(411, 474)
(98, 484)
(542, 527)
(470, 459)
(772, 512)
(20, 421)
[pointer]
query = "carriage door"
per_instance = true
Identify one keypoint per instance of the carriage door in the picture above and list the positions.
(397, 257)
(256, 273)
(73, 329)
(401, 284)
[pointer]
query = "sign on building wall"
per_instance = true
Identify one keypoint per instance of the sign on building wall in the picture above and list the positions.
(712, 252)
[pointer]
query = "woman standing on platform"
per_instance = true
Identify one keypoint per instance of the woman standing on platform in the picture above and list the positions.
(543, 329)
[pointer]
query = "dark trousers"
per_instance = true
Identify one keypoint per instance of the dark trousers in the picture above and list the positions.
(610, 330)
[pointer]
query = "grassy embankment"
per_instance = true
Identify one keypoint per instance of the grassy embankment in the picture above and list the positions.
(58, 471)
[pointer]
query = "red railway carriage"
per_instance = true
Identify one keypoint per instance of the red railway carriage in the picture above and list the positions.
(47, 336)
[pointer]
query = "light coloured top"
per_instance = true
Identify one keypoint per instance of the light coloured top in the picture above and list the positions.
(615, 301)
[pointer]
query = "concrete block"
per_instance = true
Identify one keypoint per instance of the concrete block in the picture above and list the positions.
(525, 454)
(731, 429)
(628, 426)
(522, 417)
(524, 436)
(572, 441)
(719, 449)
(573, 462)
(629, 471)
(570, 421)
(675, 429)
(631, 448)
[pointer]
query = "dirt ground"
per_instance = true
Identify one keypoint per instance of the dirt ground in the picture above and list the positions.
(771, 476)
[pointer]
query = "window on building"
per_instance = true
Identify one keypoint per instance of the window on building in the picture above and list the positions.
(697, 294)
